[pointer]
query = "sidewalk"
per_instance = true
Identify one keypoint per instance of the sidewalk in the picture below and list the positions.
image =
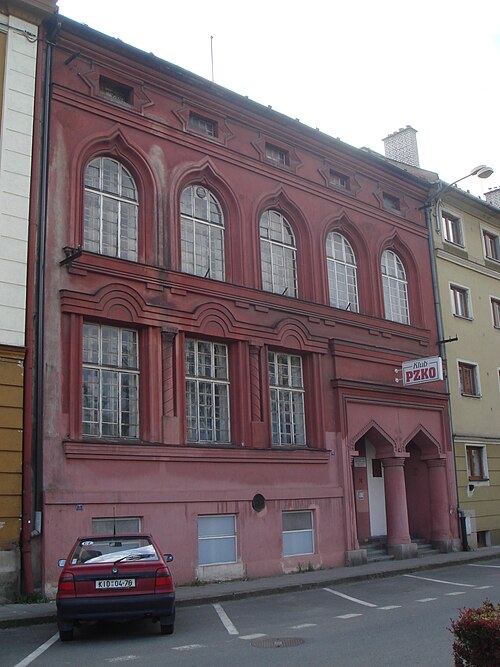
(12, 615)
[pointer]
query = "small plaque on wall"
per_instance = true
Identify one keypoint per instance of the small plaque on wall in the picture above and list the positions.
(360, 462)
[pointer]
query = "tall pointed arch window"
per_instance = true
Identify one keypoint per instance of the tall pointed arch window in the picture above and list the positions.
(342, 276)
(278, 254)
(202, 233)
(111, 210)
(395, 288)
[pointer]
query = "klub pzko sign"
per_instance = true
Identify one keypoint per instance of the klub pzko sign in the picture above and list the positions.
(419, 371)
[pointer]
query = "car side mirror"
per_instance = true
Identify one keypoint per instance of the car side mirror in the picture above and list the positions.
(168, 557)
(61, 562)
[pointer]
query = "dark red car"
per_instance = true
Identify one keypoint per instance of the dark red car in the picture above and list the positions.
(115, 577)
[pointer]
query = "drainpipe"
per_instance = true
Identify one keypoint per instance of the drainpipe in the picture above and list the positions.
(33, 388)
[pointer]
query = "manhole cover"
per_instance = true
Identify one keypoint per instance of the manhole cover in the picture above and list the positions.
(277, 642)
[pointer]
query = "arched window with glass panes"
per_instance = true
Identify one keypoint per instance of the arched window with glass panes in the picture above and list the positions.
(202, 233)
(278, 254)
(395, 287)
(110, 210)
(342, 273)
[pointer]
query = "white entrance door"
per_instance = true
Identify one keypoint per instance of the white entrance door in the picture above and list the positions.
(378, 523)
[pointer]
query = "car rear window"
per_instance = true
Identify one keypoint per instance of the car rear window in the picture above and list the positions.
(92, 551)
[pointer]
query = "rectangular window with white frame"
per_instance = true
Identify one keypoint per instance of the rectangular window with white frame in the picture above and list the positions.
(287, 400)
(452, 228)
(491, 245)
(495, 311)
(298, 533)
(477, 464)
(116, 525)
(460, 301)
(469, 379)
(217, 539)
(207, 391)
(110, 382)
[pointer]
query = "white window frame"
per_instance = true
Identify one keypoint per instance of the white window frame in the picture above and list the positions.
(288, 422)
(202, 238)
(495, 308)
(277, 156)
(395, 287)
(222, 536)
(96, 229)
(485, 480)
(102, 372)
(278, 256)
(451, 223)
(117, 522)
(473, 365)
(310, 531)
(342, 273)
(495, 241)
(456, 306)
(208, 391)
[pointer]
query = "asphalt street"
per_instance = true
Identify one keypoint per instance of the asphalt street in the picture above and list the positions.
(402, 620)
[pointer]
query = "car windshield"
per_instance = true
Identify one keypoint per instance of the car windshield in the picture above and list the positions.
(92, 551)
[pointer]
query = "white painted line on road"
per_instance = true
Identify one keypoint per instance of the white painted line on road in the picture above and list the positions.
(256, 636)
(457, 593)
(391, 606)
(303, 625)
(348, 615)
(187, 647)
(439, 581)
(226, 621)
(483, 588)
(41, 649)
(479, 565)
(426, 600)
(123, 658)
(348, 597)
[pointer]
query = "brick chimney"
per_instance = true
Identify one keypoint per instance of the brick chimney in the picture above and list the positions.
(402, 146)
(493, 197)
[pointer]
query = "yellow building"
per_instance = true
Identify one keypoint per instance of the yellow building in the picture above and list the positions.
(19, 21)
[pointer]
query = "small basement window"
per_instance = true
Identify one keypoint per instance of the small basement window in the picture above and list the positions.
(113, 90)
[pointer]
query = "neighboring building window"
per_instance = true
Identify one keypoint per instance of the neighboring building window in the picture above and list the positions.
(395, 288)
(287, 400)
(111, 210)
(217, 539)
(278, 254)
(298, 533)
(202, 233)
(452, 229)
(118, 92)
(469, 381)
(339, 180)
(207, 391)
(495, 307)
(342, 280)
(110, 382)
(491, 245)
(202, 125)
(391, 203)
(476, 463)
(277, 156)
(461, 301)
(116, 525)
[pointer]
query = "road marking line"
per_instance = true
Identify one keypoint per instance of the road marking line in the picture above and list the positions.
(456, 593)
(347, 597)
(187, 647)
(426, 600)
(482, 588)
(41, 649)
(439, 581)
(303, 625)
(391, 606)
(226, 621)
(256, 636)
(479, 565)
(123, 658)
(348, 615)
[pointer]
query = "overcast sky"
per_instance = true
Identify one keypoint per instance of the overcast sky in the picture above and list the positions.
(357, 70)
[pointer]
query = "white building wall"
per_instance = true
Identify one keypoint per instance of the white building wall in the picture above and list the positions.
(15, 174)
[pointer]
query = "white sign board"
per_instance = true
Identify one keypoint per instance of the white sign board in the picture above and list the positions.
(419, 371)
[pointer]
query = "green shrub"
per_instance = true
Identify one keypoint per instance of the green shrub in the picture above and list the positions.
(477, 637)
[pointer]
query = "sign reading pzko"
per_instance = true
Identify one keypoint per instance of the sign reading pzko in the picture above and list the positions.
(419, 371)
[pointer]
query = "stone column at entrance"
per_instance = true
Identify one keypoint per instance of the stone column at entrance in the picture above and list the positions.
(440, 514)
(398, 529)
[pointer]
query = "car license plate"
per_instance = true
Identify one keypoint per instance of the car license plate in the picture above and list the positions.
(114, 583)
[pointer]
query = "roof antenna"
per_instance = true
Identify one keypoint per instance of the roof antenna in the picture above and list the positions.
(212, 55)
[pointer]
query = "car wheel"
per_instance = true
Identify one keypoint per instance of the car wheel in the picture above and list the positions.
(166, 629)
(66, 635)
